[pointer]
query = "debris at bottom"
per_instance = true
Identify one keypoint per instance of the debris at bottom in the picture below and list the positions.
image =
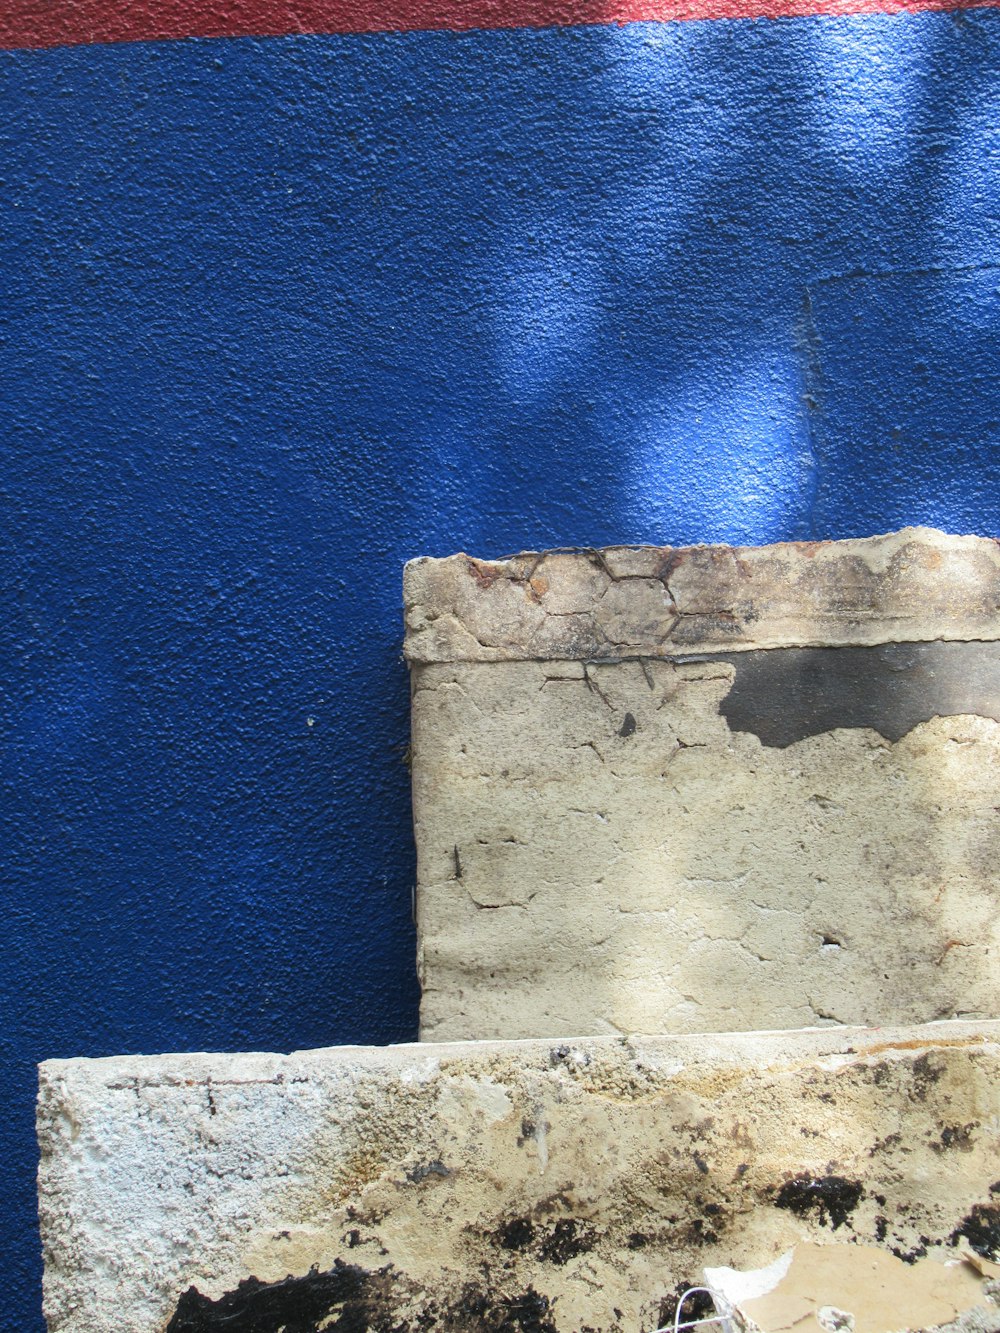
(858, 1289)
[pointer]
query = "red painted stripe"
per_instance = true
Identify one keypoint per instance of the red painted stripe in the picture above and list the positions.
(43, 23)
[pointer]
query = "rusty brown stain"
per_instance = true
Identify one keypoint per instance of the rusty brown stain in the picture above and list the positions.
(537, 587)
(958, 1043)
(808, 548)
(484, 573)
(363, 1165)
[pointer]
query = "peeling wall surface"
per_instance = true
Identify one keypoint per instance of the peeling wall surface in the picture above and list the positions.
(281, 312)
(509, 1187)
(621, 828)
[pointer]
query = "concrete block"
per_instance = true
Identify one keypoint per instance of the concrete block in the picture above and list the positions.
(914, 585)
(707, 789)
(546, 1187)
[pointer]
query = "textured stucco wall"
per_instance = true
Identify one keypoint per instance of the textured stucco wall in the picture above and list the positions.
(279, 314)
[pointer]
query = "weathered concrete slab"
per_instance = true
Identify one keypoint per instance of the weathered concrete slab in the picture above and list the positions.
(758, 837)
(654, 601)
(535, 1186)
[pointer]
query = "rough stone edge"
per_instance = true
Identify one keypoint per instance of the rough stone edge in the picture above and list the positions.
(914, 585)
(777, 1046)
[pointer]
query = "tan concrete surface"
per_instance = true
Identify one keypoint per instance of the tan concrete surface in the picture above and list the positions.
(601, 849)
(532, 1187)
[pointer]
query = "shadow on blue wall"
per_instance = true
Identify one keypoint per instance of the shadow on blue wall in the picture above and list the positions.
(282, 314)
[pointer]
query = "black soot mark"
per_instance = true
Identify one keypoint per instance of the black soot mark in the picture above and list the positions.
(981, 1228)
(526, 1313)
(627, 727)
(420, 1172)
(956, 1136)
(568, 1238)
(783, 695)
(832, 1197)
(517, 1234)
(558, 1244)
(294, 1305)
(350, 1299)
(914, 1254)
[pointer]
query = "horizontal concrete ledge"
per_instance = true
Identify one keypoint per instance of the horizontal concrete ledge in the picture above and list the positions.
(648, 601)
(529, 1185)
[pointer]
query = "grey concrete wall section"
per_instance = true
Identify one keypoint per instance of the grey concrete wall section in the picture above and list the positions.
(545, 1186)
(707, 789)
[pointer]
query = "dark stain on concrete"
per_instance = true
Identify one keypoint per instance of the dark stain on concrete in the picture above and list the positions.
(925, 1073)
(981, 1228)
(783, 695)
(293, 1305)
(563, 1240)
(517, 1234)
(567, 1238)
(351, 1299)
(833, 1198)
(956, 1136)
(424, 1169)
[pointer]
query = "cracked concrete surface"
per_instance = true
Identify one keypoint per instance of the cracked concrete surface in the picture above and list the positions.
(600, 851)
(912, 585)
(552, 1187)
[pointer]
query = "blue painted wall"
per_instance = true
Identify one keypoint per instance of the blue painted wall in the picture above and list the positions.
(278, 315)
